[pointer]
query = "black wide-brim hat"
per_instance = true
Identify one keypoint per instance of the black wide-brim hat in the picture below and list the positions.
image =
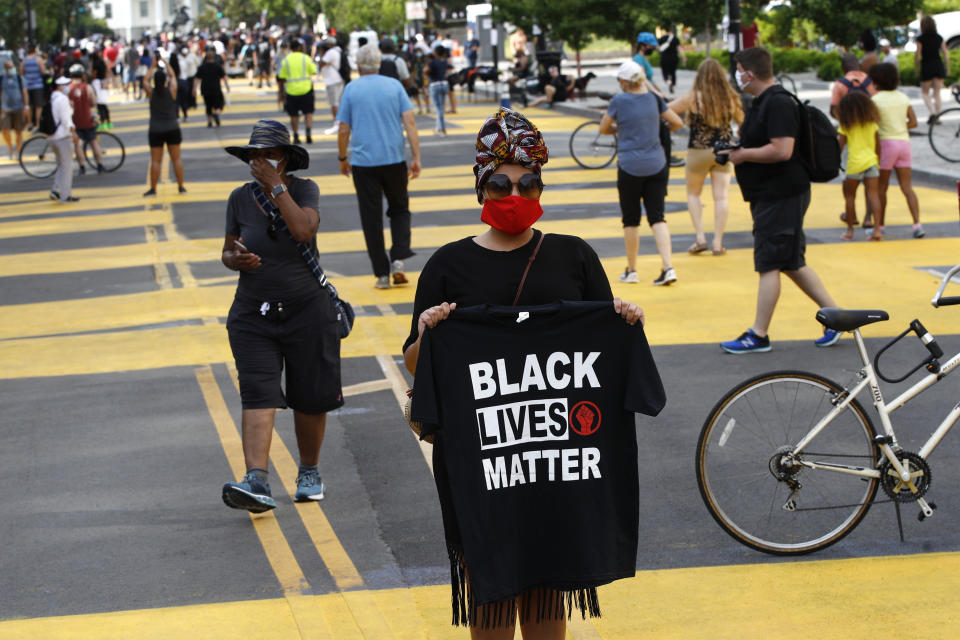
(270, 134)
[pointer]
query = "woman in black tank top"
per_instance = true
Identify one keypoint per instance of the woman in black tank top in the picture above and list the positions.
(164, 128)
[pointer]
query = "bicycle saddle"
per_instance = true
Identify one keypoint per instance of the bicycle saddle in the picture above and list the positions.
(849, 319)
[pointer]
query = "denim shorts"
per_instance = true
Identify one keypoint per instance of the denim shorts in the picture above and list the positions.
(872, 172)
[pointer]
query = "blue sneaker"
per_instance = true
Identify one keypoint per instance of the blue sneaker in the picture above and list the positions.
(250, 494)
(309, 487)
(748, 342)
(830, 338)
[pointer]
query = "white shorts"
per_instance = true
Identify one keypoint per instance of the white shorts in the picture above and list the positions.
(334, 91)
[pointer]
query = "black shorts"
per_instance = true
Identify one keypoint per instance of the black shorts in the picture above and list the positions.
(299, 104)
(158, 139)
(213, 102)
(300, 339)
(778, 240)
(37, 97)
(652, 190)
(87, 135)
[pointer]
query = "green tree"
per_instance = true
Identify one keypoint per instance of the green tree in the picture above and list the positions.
(842, 21)
(383, 16)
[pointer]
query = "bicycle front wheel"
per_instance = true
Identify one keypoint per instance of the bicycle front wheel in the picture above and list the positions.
(37, 157)
(111, 152)
(944, 135)
(756, 492)
(591, 149)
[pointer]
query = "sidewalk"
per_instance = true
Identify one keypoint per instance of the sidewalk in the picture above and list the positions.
(927, 166)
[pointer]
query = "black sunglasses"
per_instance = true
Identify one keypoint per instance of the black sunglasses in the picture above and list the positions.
(500, 186)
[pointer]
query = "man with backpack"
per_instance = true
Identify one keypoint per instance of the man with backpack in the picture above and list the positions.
(392, 65)
(776, 183)
(853, 80)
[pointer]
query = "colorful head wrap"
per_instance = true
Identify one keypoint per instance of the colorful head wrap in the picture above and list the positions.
(507, 137)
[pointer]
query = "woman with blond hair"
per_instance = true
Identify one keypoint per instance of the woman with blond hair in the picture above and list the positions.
(712, 107)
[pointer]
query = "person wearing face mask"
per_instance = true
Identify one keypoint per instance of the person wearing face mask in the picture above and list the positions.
(488, 269)
(776, 184)
(647, 43)
(14, 106)
(63, 140)
(282, 324)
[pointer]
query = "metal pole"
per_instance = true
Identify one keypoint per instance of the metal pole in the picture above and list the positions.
(29, 24)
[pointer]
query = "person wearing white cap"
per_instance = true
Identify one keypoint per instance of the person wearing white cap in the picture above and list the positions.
(886, 55)
(62, 141)
(642, 167)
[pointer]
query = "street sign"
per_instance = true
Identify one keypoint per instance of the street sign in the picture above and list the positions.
(416, 10)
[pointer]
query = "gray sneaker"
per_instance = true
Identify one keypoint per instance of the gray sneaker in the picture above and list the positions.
(309, 487)
(383, 282)
(396, 270)
(249, 494)
(666, 277)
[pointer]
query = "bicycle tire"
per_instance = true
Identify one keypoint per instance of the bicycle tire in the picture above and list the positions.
(783, 79)
(37, 157)
(944, 135)
(589, 148)
(112, 152)
(747, 431)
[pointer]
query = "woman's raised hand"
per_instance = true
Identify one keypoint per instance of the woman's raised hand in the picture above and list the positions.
(630, 312)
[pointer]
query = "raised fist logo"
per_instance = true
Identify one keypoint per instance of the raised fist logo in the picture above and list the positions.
(585, 418)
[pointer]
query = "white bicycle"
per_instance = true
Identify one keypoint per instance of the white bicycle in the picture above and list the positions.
(789, 462)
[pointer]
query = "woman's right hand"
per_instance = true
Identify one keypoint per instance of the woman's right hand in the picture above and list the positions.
(434, 315)
(245, 260)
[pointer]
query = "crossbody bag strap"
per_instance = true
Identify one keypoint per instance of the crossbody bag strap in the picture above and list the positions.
(533, 256)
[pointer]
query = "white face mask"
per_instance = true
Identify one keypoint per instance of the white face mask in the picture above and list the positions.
(740, 79)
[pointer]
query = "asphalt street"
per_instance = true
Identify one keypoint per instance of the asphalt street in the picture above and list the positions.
(121, 414)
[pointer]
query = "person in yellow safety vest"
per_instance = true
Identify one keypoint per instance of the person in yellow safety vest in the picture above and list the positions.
(295, 90)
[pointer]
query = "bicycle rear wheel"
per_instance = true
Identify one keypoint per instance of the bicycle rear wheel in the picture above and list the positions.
(111, 151)
(37, 157)
(589, 148)
(944, 135)
(741, 448)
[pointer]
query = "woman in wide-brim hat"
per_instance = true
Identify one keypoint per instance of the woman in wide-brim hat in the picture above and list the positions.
(281, 320)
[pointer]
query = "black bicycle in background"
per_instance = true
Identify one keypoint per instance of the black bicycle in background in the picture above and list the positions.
(944, 131)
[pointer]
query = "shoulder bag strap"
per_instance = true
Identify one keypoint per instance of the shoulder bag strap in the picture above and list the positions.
(533, 256)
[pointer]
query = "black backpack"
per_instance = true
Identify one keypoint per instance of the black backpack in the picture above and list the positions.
(389, 68)
(47, 125)
(344, 69)
(819, 150)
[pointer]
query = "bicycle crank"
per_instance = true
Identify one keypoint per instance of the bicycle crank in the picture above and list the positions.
(911, 488)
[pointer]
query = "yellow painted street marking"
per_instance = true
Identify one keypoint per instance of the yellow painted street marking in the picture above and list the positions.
(274, 543)
(366, 387)
(82, 224)
(702, 603)
(398, 385)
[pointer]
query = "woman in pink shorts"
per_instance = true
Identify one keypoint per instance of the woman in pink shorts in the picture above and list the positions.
(896, 117)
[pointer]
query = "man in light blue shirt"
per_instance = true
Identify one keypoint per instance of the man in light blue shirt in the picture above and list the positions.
(374, 112)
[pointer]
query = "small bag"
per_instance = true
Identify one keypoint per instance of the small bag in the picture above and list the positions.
(415, 425)
(345, 313)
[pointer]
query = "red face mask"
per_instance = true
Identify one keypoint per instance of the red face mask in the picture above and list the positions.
(513, 214)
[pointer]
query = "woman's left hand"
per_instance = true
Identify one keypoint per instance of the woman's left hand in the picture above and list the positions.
(264, 172)
(630, 312)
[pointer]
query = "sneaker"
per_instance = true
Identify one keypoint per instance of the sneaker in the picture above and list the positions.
(629, 276)
(55, 196)
(748, 342)
(666, 277)
(396, 270)
(918, 231)
(383, 282)
(149, 192)
(250, 494)
(181, 189)
(309, 138)
(309, 487)
(676, 161)
(332, 130)
(830, 338)
(70, 199)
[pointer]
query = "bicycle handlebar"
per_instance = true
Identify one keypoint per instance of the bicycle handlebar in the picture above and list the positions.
(938, 299)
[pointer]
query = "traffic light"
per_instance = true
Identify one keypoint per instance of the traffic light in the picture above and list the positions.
(219, 14)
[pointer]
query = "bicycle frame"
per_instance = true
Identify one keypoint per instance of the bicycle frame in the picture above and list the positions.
(869, 378)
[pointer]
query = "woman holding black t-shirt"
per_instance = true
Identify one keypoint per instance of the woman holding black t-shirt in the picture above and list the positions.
(487, 269)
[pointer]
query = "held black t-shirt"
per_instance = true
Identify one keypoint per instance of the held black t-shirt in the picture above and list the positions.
(534, 407)
(283, 274)
(566, 268)
(774, 114)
